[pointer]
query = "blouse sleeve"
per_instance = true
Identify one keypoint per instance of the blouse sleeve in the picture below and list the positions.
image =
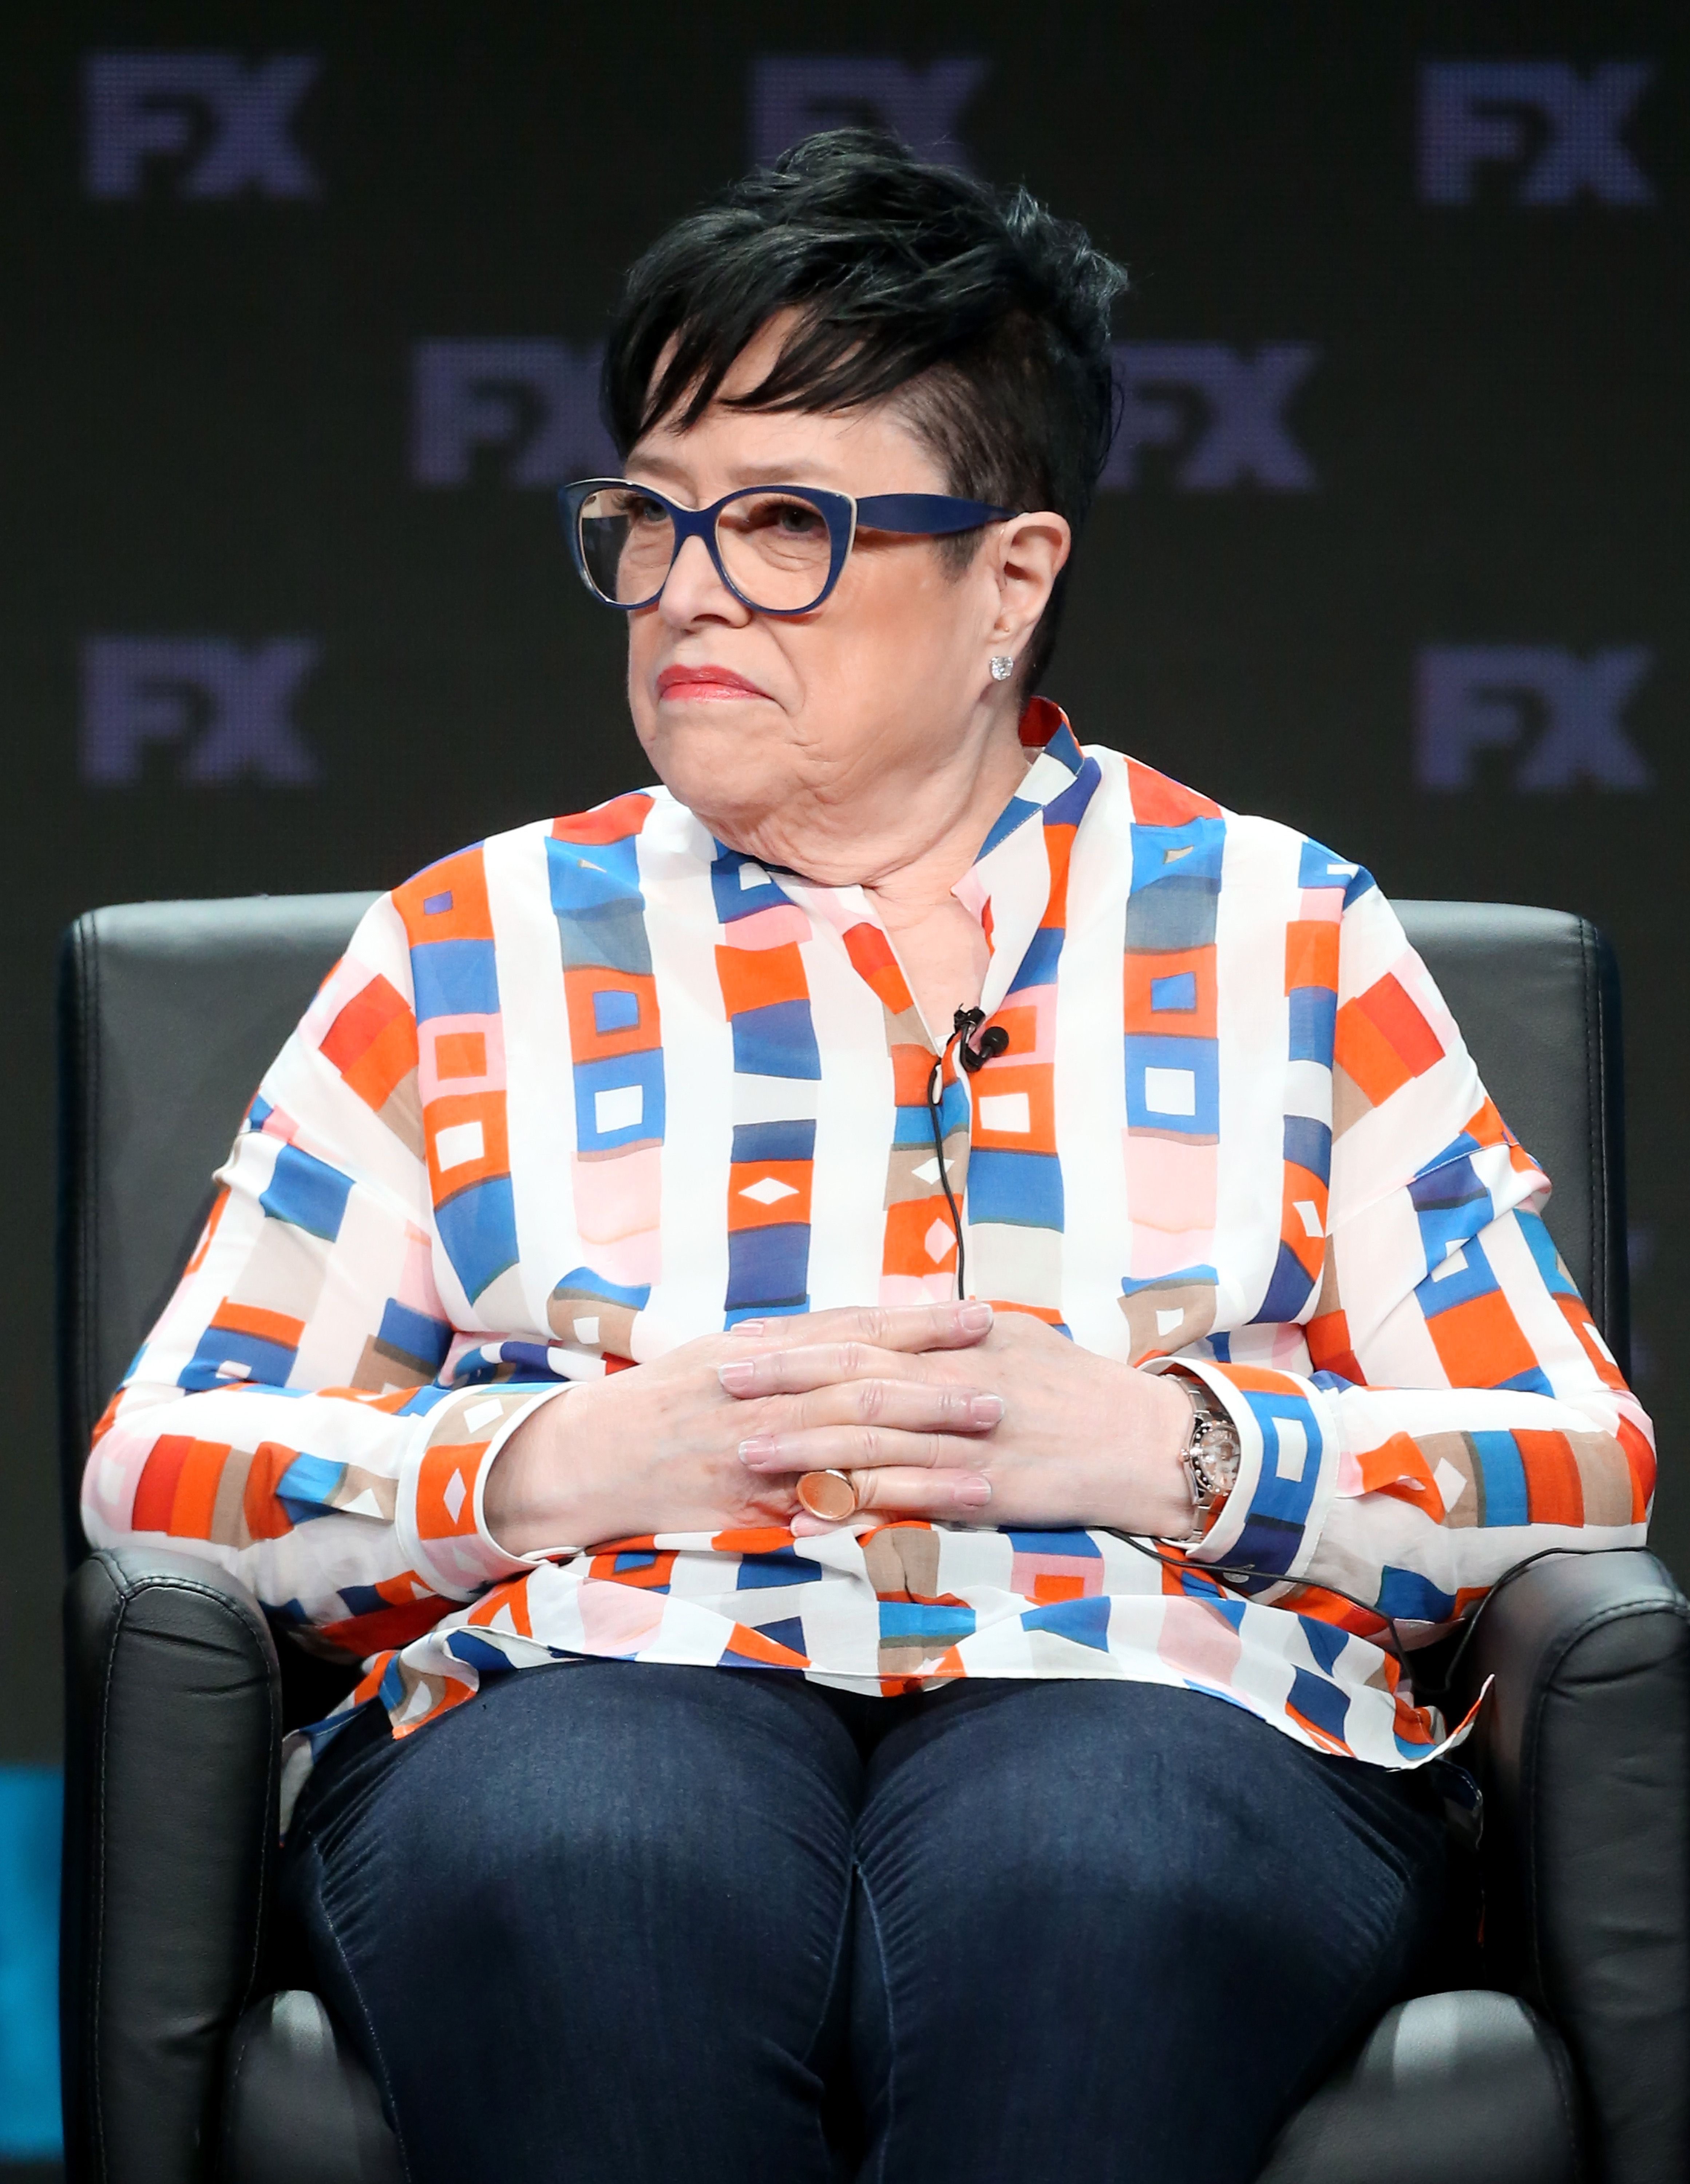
(288, 1417)
(1461, 1412)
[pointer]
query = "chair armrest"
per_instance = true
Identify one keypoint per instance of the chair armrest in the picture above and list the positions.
(172, 1754)
(1583, 1750)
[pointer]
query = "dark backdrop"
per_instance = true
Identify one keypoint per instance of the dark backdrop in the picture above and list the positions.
(300, 303)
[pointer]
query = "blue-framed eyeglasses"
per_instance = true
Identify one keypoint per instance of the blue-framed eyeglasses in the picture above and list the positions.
(780, 549)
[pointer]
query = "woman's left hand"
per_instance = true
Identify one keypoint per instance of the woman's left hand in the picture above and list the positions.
(1084, 1440)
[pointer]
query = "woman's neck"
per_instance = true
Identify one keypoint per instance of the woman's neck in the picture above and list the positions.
(906, 852)
(905, 838)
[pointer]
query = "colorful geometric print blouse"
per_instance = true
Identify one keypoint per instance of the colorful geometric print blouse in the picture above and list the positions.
(601, 1086)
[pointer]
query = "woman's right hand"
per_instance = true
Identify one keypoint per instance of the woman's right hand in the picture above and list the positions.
(657, 1448)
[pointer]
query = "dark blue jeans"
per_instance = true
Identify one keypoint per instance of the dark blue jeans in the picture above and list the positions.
(617, 1921)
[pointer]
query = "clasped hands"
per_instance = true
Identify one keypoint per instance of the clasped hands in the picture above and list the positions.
(946, 1411)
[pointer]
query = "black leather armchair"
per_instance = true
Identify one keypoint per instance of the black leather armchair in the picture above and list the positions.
(193, 2051)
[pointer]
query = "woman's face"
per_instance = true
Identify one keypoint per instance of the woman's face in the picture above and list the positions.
(783, 732)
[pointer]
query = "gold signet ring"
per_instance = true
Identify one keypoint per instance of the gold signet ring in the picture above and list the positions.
(829, 1494)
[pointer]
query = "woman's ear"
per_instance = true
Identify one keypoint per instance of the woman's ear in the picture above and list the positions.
(1029, 552)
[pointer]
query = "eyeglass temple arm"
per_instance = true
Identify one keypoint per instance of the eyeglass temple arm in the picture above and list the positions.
(933, 514)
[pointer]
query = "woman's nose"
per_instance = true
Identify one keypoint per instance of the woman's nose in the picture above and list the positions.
(693, 591)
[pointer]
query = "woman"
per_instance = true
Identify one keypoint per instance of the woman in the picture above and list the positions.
(945, 1221)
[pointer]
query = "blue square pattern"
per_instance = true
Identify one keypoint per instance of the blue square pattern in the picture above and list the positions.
(1452, 1278)
(1174, 1085)
(614, 1009)
(769, 1267)
(306, 1193)
(619, 1101)
(1177, 995)
(454, 978)
(777, 1040)
(1025, 1189)
(1313, 1013)
(586, 875)
(1290, 1457)
(268, 1363)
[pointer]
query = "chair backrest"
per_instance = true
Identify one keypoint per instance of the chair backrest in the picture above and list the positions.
(170, 1012)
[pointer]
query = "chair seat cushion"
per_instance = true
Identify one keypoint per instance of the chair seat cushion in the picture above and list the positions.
(1468, 2088)
(298, 2106)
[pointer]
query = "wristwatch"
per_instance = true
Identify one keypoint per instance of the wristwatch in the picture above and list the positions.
(1210, 1459)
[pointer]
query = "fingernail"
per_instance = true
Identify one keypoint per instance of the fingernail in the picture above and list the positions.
(759, 1448)
(737, 1375)
(748, 1327)
(974, 1493)
(973, 1318)
(985, 1410)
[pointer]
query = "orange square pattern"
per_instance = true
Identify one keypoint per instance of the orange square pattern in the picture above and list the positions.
(1387, 1004)
(440, 1465)
(1059, 849)
(461, 1054)
(372, 1042)
(1478, 1341)
(1330, 1349)
(759, 977)
(1366, 1056)
(743, 1213)
(586, 1043)
(872, 957)
(513, 1596)
(1312, 953)
(1302, 1185)
(252, 1319)
(912, 1067)
(177, 1490)
(1554, 1493)
(1159, 802)
(487, 1108)
(909, 1222)
(1142, 970)
(611, 822)
(465, 918)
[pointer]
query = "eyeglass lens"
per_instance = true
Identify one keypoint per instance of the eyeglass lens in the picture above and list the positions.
(776, 550)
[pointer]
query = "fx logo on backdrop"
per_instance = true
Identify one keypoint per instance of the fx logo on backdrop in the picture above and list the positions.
(1224, 410)
(1474, 113)
(532, 405)
(223, 123)
(1491, 696)
(225, 706)
(792, 96)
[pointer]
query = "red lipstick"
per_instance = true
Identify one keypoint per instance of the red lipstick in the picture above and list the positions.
(704, 684)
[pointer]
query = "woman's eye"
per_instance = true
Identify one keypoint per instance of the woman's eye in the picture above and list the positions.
(789, 519)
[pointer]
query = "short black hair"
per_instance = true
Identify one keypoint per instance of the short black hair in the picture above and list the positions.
(987, 316)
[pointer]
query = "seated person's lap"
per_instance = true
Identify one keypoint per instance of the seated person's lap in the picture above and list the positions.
(702, 1923)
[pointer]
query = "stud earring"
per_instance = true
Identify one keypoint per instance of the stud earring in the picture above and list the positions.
(1003, 666)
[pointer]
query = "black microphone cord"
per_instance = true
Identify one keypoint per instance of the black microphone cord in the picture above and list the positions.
(994, 1042)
